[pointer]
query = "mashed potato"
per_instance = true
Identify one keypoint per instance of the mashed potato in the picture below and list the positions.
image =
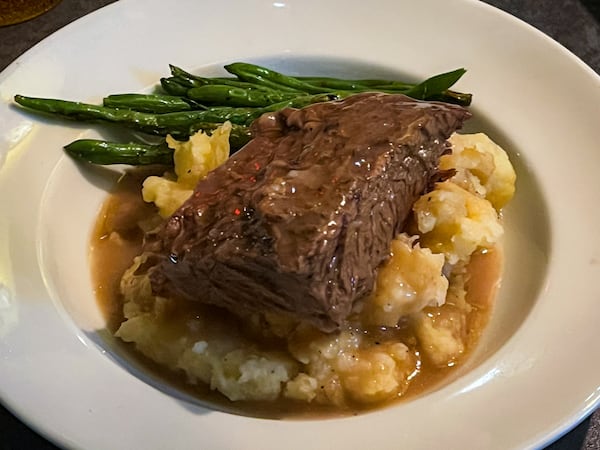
(482, 168)
(417, 315)
(193, 160)
(408, 281)
(455, 222)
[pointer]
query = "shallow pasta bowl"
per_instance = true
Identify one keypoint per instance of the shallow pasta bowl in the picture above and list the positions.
(534, 374)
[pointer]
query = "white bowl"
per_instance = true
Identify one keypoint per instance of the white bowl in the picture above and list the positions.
(535, 373)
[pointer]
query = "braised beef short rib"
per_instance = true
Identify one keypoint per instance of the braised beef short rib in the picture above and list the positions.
(299, 220)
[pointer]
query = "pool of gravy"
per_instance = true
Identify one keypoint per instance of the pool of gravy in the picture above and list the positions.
(117, 239)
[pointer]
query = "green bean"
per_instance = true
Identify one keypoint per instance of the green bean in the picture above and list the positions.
(449, 96)
(343, 85)
(152, 103)
(434, 88)
(178, 124)
(160, 124)
(271, 79)
(103, 152)
(233, 96)
(435, 85)
(173, 86)
(142, 121)
(191, 80)
(246, 115)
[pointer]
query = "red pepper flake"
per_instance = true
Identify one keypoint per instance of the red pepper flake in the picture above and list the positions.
(237, 211)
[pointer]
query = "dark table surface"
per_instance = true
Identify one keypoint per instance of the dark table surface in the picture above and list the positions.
(573, 23)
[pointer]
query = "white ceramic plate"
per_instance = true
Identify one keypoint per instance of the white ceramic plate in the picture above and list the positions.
(537, 371)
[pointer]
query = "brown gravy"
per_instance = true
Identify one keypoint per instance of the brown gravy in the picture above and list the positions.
(117, 239)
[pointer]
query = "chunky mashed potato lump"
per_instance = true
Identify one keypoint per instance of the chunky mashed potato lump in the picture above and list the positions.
(421, 320)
